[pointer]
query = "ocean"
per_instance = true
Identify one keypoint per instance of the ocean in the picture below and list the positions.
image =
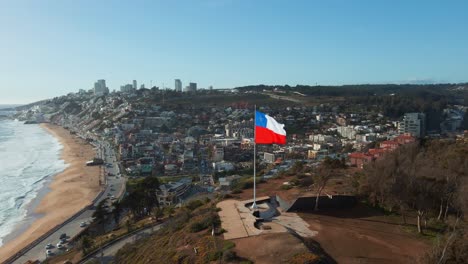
(29, 158)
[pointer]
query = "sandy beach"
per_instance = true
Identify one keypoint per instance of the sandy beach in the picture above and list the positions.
(70, 190)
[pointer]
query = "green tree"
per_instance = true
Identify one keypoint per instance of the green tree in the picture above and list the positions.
(157, 213)
(170, 210)
(86, 244)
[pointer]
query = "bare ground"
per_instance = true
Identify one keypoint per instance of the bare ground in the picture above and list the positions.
(355, 236)
(269, 248)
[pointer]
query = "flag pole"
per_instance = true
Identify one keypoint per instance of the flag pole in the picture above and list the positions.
(254, 204)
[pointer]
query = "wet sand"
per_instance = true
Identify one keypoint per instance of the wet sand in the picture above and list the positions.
(69, 191)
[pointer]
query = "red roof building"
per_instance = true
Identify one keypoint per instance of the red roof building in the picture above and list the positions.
(377, 153)
(358, 159)
(405, 139)
(389, 144)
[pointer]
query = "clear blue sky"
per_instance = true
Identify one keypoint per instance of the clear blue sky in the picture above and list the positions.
(50, 48)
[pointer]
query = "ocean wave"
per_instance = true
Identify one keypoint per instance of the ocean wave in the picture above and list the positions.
(29, 157)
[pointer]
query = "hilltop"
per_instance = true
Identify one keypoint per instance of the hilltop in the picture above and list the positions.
(187, 238)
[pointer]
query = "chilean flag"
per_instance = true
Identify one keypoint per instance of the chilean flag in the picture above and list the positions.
(267, 130)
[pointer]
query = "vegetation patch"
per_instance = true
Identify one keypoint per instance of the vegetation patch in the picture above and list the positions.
(182, 240)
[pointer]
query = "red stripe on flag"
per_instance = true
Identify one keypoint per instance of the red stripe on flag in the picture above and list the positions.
(266, 136)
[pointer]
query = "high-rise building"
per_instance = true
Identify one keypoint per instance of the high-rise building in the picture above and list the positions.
(127, 88)
(178, 85)
(413, 124)
(100, 88)
(192, 87)
(135, 84)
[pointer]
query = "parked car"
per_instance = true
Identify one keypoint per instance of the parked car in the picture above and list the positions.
(59, 245)
(48, 252)
(63, 235)
(49, 246)
(82, 224)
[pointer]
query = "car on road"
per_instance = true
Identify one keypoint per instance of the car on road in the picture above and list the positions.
(49, 246)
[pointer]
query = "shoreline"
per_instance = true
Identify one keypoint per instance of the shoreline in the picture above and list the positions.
(31, 214)
(62, 195)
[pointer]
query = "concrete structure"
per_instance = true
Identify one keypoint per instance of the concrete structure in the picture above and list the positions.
(229, 181)
(218, 154)
(223, 166)
(135, 85)
(192, 87)
(127, 88)
(347, 132)
(178, 85)
(269, 157)
(240, 130)
(413, 124)
(172, 192)
(100, 88)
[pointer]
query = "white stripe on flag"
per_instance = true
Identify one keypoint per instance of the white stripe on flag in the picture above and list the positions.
(275, 126)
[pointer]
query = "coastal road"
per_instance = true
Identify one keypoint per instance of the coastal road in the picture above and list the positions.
(115, 187)
(107, 254)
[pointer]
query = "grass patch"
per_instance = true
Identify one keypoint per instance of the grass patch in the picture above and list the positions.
(228, 245)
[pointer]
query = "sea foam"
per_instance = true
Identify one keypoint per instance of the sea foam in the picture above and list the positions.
(29, 157)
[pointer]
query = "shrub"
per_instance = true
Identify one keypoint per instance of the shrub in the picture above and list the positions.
(300, 176)
(305, 182)
(236, 191)
(213, 256)
(229, 256)
(221, 231)
(192, 205)
(228, 245)
(197, 227)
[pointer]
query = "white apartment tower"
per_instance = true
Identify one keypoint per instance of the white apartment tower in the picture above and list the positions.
(100, 88)
(178, 85)
(414, 124)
